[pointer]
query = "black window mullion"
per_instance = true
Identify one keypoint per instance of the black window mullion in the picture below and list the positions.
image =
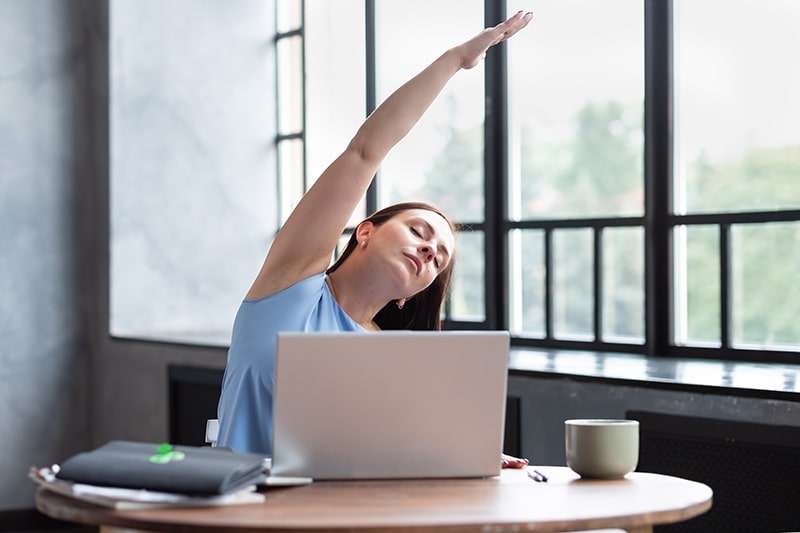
(369, 14)
(295, 32)
(297, 135)
(303, 88)
(495, 166)
(280, 191)
(744, 217)
(658, 135)
(561, 223)
(724, 285)
(598, 284)
(548, 283)
(288, 136)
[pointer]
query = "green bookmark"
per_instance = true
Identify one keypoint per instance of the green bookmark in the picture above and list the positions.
(165, 454)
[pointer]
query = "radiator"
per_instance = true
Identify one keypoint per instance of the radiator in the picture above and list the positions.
(753, 469)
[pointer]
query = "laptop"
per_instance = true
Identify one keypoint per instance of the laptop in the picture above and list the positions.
(389, 405)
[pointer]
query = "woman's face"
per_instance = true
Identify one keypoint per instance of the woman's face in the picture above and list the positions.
(416, 246)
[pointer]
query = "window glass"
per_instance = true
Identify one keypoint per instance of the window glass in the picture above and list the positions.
(623, 285)
(335, 83)
(441, 159)
(289, 14)
(290, 85)
(737, 143)
(573, 286)
(697, 289)
(765, 265)
(527, 283)
(467, 287)
(290, 155)
(576, 93)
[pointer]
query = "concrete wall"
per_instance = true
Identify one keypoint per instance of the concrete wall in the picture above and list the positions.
(45, 135)
(547, 402)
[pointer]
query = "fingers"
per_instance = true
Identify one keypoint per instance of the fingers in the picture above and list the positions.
(519, 25)
(512, 25)
(513, 462)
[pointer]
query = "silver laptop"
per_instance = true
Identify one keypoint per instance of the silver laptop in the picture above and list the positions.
(400, 404)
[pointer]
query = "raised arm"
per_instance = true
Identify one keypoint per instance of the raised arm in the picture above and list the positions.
(304, 244)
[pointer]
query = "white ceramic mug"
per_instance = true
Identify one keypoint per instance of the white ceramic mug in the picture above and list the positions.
(602, 449)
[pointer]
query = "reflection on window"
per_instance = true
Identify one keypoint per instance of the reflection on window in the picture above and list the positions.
(737, 111)
(700, 372)
(625, 367)
(441, 159)
(576, 92)
(754, 377)
(577, 363)
(765, 265)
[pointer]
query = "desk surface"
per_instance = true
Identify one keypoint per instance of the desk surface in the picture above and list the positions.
(512, 499)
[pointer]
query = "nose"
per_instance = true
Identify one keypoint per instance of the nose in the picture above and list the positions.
(427, 252)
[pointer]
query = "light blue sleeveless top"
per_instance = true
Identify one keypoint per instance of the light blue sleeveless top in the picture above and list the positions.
(245, 406)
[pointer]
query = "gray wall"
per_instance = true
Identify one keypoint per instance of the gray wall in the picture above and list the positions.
(44, 138)
(546, 402)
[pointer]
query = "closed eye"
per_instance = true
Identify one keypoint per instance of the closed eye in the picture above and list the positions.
(418, 234)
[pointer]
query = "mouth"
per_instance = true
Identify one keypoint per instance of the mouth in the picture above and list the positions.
(417, 264)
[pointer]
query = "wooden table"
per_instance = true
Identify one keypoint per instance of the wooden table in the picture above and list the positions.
(509, 501)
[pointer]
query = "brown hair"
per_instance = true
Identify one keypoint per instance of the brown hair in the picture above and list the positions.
(421, 311)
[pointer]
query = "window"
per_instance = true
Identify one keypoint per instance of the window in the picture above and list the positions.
(576, 176)
(736, 237)
(626, 173)
(291, 138)
(335, 82)
(441, 161)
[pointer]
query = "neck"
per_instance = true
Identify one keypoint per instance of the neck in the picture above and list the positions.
(359, 291)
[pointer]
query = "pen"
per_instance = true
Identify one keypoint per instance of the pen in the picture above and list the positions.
(537, 476)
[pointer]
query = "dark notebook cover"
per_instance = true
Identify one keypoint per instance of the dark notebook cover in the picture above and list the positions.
(164, 468)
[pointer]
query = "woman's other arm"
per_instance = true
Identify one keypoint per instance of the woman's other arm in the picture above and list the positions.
(304, 244)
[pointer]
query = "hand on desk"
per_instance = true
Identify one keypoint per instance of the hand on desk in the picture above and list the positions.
(513, 462)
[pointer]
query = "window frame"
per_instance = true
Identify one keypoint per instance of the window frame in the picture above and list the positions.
(281, 137)
(657, 222)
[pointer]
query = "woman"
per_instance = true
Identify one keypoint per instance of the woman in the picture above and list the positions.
(392, 275)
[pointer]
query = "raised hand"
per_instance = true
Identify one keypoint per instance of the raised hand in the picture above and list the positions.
(474, 50)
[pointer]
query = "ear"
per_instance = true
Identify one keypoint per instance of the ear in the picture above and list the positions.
(364, 230)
